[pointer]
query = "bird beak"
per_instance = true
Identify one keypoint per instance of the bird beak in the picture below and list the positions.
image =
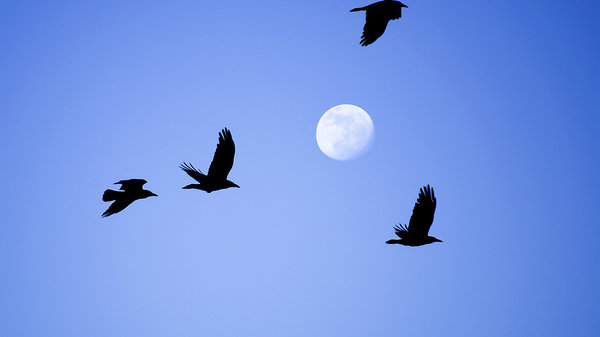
(153, 195)
(438, 240)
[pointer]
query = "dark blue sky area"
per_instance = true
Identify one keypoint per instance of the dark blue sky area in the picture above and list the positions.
(495, 105)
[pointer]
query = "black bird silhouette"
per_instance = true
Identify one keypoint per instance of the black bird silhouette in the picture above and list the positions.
(131, 191)
(378, 16)
(222, 162)
(416, 234)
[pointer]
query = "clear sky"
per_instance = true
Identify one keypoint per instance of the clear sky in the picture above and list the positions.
(495, 104)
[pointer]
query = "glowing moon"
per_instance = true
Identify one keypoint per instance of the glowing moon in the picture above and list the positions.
(345, 132)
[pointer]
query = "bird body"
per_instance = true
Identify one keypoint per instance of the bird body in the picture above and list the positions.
(417, 231)
(377, 17)
(222, 162)
(131, 190)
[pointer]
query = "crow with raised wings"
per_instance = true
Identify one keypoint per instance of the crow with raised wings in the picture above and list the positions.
(416, 233)
(131, 190)
(222, 162)
(378, 16)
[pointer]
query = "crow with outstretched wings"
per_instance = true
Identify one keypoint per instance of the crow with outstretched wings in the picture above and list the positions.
(222, 162)
(417, 231)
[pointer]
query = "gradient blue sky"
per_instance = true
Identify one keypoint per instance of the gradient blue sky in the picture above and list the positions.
(495, 104)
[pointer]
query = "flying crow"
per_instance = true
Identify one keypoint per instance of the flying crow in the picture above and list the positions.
(378, 16)
(216, 179)
(131, 191)
(416, 234)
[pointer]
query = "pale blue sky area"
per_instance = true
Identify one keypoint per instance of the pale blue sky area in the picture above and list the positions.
(496, 105)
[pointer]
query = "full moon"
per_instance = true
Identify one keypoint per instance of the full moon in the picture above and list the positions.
(345, 132)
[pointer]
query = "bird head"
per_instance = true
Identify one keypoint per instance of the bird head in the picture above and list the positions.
(232, 184)
(148, 194)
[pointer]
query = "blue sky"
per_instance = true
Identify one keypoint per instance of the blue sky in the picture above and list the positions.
(496, 105)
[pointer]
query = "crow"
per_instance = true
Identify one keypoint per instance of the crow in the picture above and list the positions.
(416, 233)
(222, 162)
(132, 191)
(378, 16)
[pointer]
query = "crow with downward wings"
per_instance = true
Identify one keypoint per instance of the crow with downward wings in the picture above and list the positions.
(131, 190)
(378, 16)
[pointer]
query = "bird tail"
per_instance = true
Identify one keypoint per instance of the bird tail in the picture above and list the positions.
(358, 9)
(110, 195)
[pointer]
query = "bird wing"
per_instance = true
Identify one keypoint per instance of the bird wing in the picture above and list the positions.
(131, 184)
(223, 159)
(422, 216)
(374, 26)
(193, 172)
(117, 206)
(401, 231)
